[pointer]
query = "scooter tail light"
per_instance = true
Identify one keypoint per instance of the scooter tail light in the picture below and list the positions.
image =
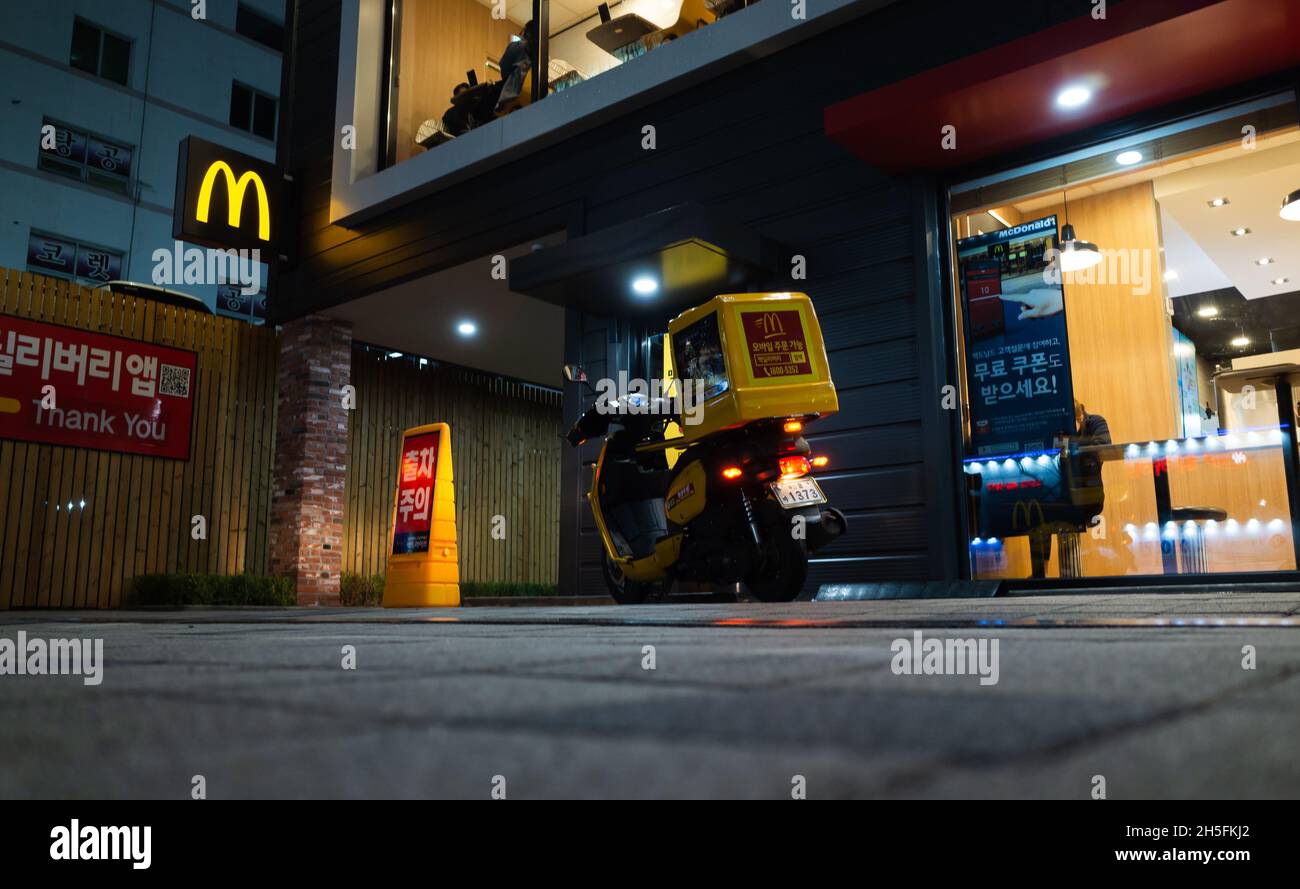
(793, 467)
(732, 472)
(793, 426)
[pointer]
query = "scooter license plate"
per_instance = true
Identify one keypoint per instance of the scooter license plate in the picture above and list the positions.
(795, 492)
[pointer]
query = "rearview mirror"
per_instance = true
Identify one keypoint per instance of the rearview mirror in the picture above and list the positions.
(574, 373)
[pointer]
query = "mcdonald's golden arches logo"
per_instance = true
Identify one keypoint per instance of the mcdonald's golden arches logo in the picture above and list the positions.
(235, 189)
(224, 199)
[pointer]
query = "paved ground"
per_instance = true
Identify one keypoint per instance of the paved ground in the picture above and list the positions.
(1146, 690)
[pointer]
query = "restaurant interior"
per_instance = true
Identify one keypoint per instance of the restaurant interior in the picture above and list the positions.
(448, 54)
(1183, 316)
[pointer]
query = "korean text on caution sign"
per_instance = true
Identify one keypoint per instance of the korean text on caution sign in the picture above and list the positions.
(415, 494)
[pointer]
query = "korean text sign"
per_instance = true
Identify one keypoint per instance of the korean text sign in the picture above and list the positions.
(1017, 346)
(415, 493)
(776, 344)
(106, 392)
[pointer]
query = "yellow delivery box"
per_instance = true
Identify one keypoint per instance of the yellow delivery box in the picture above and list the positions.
(749, 356)
(423, 564)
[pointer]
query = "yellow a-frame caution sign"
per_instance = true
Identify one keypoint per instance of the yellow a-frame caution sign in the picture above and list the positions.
(423, 562)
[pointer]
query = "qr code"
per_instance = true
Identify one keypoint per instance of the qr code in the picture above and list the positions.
(174, 381)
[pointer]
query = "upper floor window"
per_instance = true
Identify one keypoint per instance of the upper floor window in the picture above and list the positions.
(88, 158)
(256, 26)
(68, 258)
(459, 64)
(252, 111)
(98, 52)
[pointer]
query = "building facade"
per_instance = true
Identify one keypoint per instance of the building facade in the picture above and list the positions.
(100, 96)
(864, 146)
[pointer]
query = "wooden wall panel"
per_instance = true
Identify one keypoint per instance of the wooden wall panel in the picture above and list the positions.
(505, 446)
(138, 509)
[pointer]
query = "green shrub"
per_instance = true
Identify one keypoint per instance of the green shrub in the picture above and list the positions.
(361, 590)
(471, 589)
(210, 589)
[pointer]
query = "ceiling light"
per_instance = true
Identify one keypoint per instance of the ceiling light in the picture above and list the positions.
(1241, 341)
(1291, 207)
(394, 354)
(1219, 202)
(1279, 280)
(1128, 158)
(1240, 232)
(467, 328)
(1077, 255)
(1171, 275)
(1267, 260)
(1208, 311)
(1073, 96)
(645, 285)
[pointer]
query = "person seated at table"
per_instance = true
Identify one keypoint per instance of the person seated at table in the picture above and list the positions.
(1086, 497)
(515, 63)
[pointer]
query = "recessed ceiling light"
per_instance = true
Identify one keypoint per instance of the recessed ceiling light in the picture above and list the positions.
(1128, 158)
(1267, 260)
(1241, 341)
(1240, 232)
(1279, 280)
(1219, 202)
(1208, 311)
(645, 285)
(467, 328)
(1171, 275)
(1073, 96)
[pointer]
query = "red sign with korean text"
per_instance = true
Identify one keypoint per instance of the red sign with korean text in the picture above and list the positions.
(415, 494)
(776, 345)
(108, 392)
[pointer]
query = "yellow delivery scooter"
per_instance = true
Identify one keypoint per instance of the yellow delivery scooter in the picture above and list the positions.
(710, 481)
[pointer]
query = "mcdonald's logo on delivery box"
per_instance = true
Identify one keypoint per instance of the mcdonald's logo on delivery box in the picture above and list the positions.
(224, 199)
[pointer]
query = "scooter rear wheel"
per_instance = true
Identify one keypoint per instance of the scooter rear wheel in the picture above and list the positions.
(625, 590)
(783, 564)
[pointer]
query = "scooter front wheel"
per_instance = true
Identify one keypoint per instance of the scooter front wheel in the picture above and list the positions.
(625, 590)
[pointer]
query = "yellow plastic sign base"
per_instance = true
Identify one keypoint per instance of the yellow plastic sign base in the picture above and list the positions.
(424, 562)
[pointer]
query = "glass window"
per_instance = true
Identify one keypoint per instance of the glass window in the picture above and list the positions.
(66, 258)
(76, 154)
(255, 26)
(100, 53)
(1126, 322)
(252, 111)
(457, 66)
(697, 355)
(116, 61)
(85, 47)
(263, 116)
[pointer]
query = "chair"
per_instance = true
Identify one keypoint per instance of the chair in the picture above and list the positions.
(1191, 548)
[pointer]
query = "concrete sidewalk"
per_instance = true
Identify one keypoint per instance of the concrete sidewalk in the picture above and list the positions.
(1148, 691)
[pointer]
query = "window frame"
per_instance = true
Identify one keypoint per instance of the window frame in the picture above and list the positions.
(85, 168)
(102, 33)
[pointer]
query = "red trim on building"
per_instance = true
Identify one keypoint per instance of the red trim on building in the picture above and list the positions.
(1141, 56)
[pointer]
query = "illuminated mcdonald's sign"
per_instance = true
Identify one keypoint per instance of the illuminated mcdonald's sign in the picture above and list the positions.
(224, 199)
(235, 190)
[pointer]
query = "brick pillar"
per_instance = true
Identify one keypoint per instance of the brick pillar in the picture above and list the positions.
(311, 455)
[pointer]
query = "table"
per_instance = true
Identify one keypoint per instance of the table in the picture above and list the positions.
(618, 33)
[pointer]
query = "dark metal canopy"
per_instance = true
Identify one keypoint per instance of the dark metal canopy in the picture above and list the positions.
(650, 268)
